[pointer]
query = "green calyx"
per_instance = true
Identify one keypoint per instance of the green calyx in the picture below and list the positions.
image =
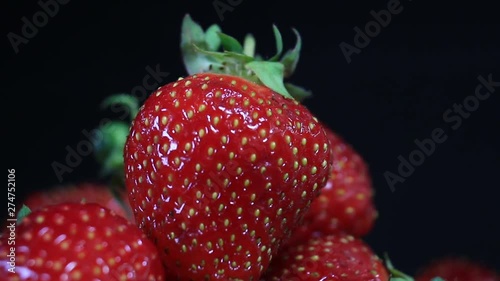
(112, 136)
(201, 53)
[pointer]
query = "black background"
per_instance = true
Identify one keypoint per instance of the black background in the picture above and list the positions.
(393, 92)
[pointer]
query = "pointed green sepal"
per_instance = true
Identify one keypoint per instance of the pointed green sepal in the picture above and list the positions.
(396, 275)
(279, 44)
(270, 74)
(131, 104)
(193, 34)
(230, 44)
(298, 93)
(191, 31)
(291, 58)
(23, 212)
(109, 148)
(224, 62)
(212, 38)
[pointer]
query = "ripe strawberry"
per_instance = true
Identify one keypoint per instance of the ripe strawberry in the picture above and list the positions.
(457, 269)
(220, 168)
(330, 257)
(346, 202)
(86, 191)
(79, 241)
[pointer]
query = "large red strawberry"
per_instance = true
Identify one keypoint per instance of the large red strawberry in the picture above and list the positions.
(346, 202)
(456, 269)
(221, 167)
(89, 192)
(329, 257)
(78, 241)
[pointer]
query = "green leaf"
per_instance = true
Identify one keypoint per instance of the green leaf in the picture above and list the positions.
(437, 279)
(279, 44)
(298, 93)
(270, 74)
(249, 45)
(230, 44)
(131, 103)
(212, 38)
(23, 212)
(291, 57)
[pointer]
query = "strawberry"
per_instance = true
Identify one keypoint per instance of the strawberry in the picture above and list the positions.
(221, 167)
(89, 192)
(346, 202)
(327, 257)
(79, 241)
(456, 269)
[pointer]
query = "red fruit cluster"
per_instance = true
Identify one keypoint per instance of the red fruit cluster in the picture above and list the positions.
(226, 170)
(228, 177)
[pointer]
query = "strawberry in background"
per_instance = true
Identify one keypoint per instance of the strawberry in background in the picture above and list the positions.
(454, 268)
(336, 257)
(89, 192)
(346, 203)
(79, 241)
